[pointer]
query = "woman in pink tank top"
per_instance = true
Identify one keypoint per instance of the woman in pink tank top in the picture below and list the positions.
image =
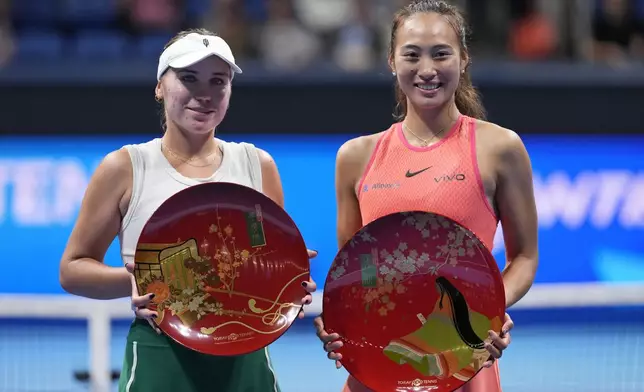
(441, 124)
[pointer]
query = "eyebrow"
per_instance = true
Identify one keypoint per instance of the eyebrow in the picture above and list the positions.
(195, 72)
(416, 47)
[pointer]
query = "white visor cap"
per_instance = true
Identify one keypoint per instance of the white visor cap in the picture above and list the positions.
(194, 48)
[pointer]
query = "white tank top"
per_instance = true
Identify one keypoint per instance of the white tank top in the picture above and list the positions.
(155, 180)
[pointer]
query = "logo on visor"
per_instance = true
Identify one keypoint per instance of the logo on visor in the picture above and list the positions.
(206, 42)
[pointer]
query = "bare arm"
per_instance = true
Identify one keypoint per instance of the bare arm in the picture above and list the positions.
(82, 271)
(271, 182)
(349, 165)
(272, 187)
(518, 213)
(351, 161)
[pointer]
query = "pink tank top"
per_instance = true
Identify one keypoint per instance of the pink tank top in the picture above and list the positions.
(443, 178)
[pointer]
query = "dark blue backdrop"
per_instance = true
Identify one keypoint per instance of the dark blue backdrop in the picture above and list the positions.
(590, 194)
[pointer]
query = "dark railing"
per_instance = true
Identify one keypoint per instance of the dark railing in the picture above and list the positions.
(119, 98)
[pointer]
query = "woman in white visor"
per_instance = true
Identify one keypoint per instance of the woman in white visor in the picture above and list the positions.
(194, 77)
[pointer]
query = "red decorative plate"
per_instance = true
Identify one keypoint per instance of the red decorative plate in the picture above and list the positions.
(226, 264)
(413, 296)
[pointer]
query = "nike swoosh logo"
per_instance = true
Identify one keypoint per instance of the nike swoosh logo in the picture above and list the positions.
(411, 174)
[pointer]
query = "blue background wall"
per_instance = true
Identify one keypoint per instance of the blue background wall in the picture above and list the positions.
(590, 194)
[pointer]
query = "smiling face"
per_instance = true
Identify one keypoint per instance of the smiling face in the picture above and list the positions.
(196, 98)
(427, 59)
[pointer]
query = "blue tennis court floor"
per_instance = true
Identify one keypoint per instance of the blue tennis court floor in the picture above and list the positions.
(553, 350)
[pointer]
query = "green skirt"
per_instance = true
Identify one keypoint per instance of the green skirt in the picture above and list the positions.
(156, 363)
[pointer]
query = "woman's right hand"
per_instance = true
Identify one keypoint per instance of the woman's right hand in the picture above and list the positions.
(330, 342)
(139, 303)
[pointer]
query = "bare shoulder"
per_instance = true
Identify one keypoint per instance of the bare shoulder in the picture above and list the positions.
(357, 151)
(352, 159)
(268, 165)
(271, 182)
(265, 158)
(499, 142)
(112, 179)
(116, 164)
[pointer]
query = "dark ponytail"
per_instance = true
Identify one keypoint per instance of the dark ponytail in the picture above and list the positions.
(400, 111)
(468, 100)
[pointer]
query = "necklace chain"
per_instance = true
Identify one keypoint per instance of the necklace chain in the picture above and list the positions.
(188, 161)
(424, 142)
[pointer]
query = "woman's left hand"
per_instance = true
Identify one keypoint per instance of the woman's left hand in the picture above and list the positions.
(498, 343)
(309, 286)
